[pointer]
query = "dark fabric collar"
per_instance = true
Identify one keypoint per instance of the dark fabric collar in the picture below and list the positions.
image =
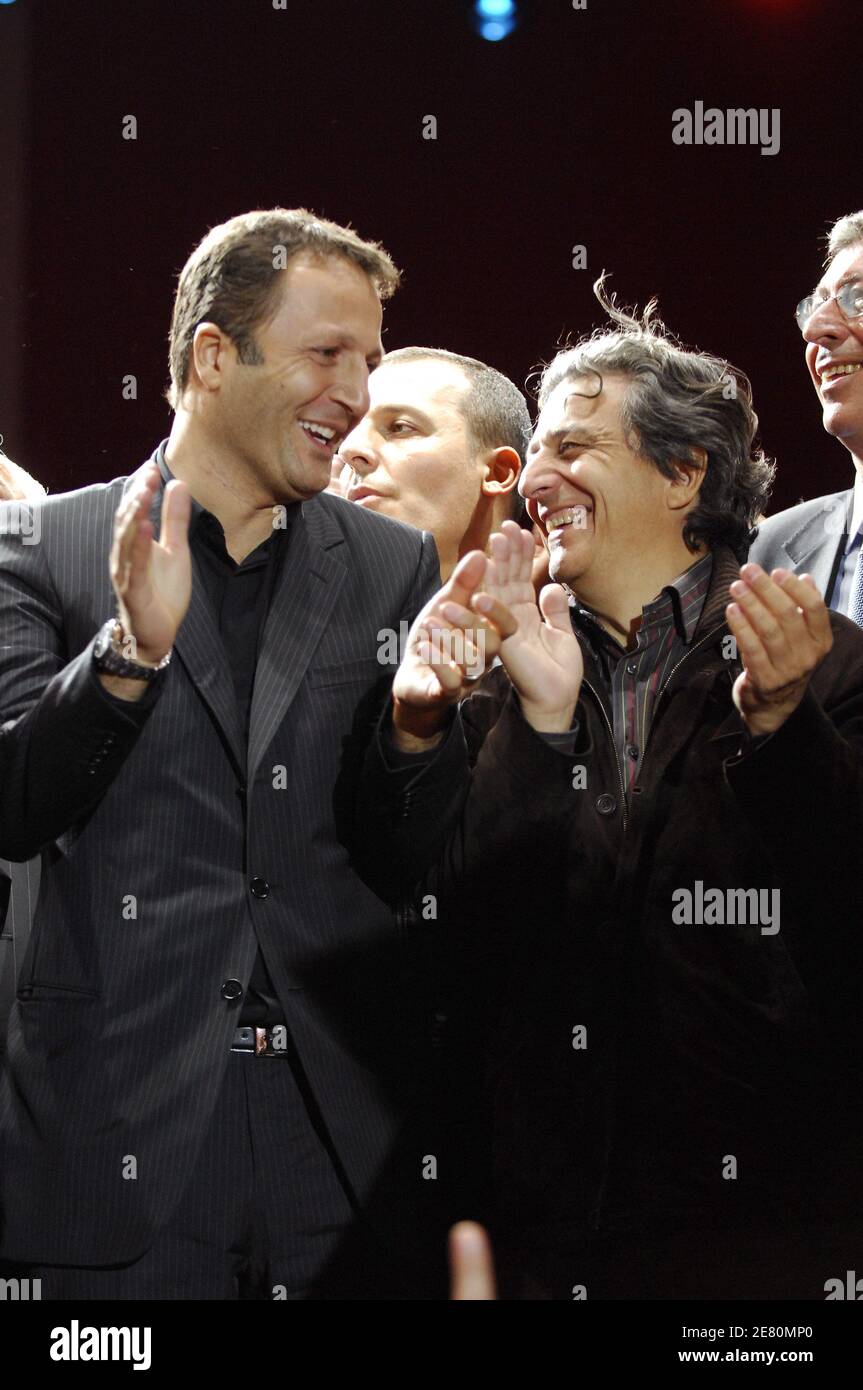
(167, 477)
(275, 541)
(726, 568)
(676, 602)
(681, 595)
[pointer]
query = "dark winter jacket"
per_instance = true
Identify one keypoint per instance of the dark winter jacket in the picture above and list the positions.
(646, 1069)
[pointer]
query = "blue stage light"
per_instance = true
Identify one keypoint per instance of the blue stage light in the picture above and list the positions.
(494, 19)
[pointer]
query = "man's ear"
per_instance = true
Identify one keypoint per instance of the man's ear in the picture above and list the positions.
(502, 468)
(682, 490)
(207, 360)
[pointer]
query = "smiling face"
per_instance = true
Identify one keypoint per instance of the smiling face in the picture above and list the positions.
(834, 354)
(284, 418)
(599, 503)
(412, 455)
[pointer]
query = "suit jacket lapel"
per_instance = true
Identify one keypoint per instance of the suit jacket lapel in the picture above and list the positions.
(199, 646)
(307, 590)
(818, 547)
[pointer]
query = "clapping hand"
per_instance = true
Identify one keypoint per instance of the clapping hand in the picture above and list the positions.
(782, 628)
(542, 656)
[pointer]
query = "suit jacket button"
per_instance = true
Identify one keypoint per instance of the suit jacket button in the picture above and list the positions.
(260, 888)
(606, 804)
(232, 989)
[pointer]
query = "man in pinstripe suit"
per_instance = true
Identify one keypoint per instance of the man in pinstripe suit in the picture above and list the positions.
(209, 1055)
(16, 485)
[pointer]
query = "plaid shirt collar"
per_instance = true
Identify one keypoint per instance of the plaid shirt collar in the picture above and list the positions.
(681, 602)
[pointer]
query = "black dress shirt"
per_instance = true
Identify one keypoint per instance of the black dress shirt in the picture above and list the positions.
(240, 596)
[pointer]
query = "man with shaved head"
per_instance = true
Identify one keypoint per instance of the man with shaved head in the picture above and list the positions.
(440, 447)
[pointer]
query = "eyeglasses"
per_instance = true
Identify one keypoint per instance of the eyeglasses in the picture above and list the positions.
(849, 301)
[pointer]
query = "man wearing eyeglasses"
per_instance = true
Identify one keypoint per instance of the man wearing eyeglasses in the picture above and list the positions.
(823, 537)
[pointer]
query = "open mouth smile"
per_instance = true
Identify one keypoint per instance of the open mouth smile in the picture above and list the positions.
(323, 437)
(567, 516)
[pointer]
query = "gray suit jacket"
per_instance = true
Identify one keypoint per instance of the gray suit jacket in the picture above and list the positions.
(807, 539)
(152, 821)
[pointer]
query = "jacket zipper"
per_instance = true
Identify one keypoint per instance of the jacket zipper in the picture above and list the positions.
(596, 1210)
(674, 669)
(595, 1216)
(613, 748)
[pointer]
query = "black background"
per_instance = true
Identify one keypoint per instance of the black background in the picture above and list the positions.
(559, 135)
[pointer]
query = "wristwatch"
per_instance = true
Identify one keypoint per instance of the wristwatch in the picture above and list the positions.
(108, 656)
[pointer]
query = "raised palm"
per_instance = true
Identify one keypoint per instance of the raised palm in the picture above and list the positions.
(152, 579)
(542, 657)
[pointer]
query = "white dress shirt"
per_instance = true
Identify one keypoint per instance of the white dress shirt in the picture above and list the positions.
(840, 599)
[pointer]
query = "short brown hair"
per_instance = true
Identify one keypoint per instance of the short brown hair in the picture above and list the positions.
(493, 408)
(233, 277)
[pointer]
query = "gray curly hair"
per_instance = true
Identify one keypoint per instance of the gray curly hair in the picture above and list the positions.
(678, 401)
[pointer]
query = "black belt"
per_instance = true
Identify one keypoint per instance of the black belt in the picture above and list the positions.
(274, 1041)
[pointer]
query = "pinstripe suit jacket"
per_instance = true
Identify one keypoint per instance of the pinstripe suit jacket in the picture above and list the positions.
(151, 823)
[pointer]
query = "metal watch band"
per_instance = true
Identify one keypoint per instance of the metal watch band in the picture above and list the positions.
(109, 658)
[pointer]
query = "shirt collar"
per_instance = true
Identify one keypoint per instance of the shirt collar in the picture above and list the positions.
(198, 511)
(167, 477)
(685, 595)
(680, 602)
